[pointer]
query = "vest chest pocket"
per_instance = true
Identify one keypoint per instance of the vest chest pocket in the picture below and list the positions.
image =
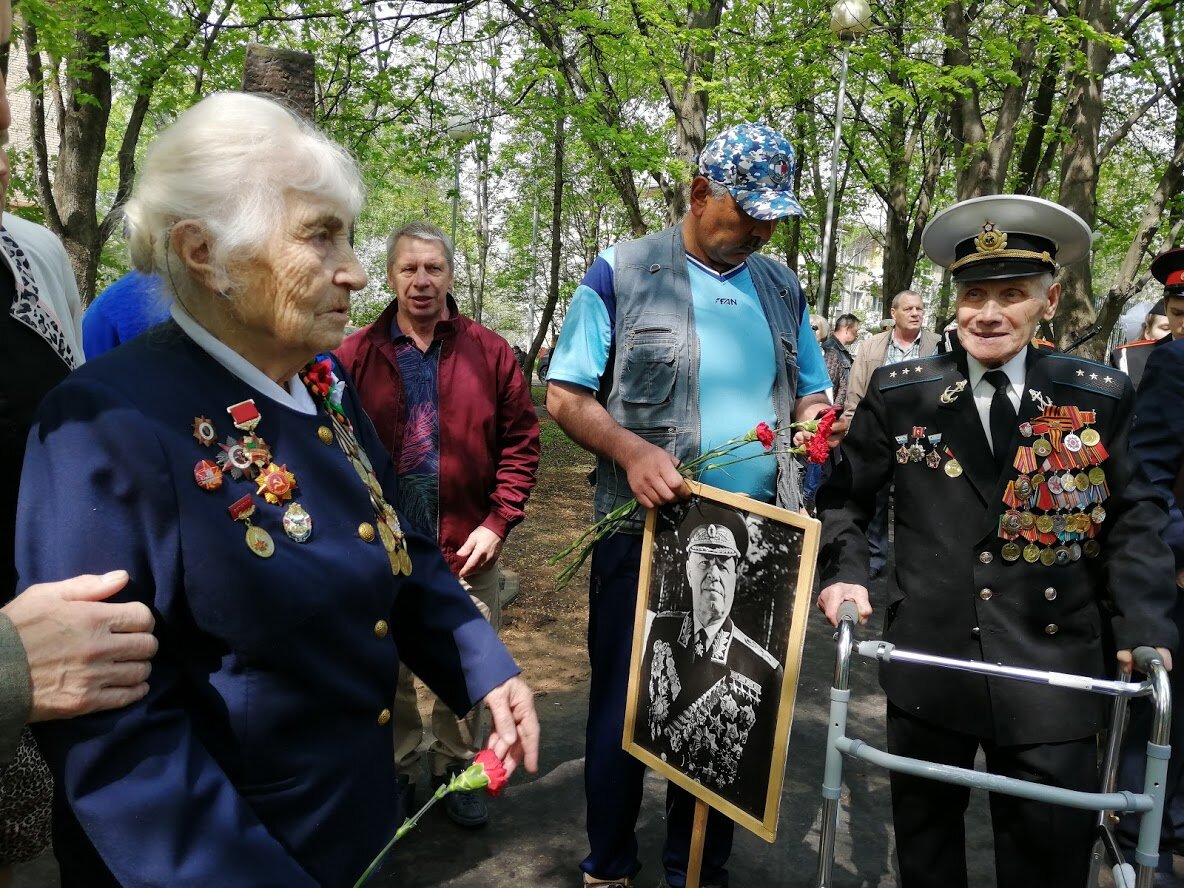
(789, 352)
(651, 366)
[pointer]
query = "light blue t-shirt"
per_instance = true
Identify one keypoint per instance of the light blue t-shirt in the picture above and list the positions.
(737, 361)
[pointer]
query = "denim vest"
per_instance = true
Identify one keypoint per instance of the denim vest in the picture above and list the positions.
(654, 362)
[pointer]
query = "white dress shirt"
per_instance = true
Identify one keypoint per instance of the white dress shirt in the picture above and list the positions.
(984, 391)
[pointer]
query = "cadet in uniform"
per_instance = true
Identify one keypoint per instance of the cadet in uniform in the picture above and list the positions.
(1131, 357)
(709, 691)
(1024, 534)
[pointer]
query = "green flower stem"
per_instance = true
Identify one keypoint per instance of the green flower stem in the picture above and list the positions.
(471, 778)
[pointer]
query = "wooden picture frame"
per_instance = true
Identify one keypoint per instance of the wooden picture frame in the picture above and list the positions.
(712, 713)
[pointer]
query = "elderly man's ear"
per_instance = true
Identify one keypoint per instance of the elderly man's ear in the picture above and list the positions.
(191, 243)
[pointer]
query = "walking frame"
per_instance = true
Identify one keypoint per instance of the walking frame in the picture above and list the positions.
(1108, 803)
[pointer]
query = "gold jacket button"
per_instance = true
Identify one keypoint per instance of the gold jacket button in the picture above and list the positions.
(1050, 594)
(985, 557)
(384, 716)
(325, 434)
(381, 628)
(1051, 629)
(366, 531)
(985, 594)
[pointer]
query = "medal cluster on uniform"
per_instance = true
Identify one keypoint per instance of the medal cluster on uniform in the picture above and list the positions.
(248, 457)
(1054, 506)
(921, 447)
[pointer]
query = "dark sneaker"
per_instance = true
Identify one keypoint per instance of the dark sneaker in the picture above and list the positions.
(467, 809)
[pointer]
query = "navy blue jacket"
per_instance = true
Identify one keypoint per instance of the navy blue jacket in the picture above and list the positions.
(1157, 437)
(262, 753)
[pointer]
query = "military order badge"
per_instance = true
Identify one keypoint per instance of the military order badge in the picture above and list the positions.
(723, 597)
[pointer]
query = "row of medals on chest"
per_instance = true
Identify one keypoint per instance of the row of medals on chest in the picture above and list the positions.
(1046, 507)
(249, 458)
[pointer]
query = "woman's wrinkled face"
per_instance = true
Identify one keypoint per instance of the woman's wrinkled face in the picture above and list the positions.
(293, 297)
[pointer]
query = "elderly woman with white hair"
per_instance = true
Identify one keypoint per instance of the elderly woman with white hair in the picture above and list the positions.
(224, 460)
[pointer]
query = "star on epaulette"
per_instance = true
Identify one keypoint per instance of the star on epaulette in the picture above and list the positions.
(1093, 376)
(904, 372)
(1080, 372)
(918, 368)
(892, 374)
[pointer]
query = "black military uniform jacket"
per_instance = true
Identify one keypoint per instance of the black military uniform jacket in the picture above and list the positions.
(710, 713)
(972, 583)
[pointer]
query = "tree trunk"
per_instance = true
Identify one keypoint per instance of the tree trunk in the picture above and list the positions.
(1079, 165)
(540, 335)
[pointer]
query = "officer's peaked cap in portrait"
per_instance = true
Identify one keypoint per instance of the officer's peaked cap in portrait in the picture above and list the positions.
(1168, 268)
(712, 529)
(1004, 236)
(755, 163)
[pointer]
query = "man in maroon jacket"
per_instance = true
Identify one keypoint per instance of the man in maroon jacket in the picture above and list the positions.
(451, 405)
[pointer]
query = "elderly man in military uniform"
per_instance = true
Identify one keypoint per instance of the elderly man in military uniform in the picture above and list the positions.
(1025, 534)
(709, 692)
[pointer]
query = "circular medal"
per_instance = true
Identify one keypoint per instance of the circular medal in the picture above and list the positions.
(384, 534)
(1044, 524)
(1031, 553)
(1058, 524)
(1041, 447)
(1048, 557)
(260, 542)
(1023, 486)
(1011, 552)
(1097, 476)
(207, 475)
(325, 434)
(1054, 484)
(1038, 479)
(1091, 438)
(1062, 555)
(1075, 551)
(1072, 442)
(1097, 515)
(1027, 520)
(953, 468)
(1091, 549)
(297, 523)
(1011, 522)
(203, 431)
(1081, 481)
(1067, 482)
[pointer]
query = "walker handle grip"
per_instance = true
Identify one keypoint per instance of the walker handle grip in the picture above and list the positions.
(1143, 656)
(849, 611)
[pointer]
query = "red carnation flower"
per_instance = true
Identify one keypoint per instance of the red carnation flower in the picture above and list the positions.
(764, 434)
(319, 377)
(494, 770)
(817, 448)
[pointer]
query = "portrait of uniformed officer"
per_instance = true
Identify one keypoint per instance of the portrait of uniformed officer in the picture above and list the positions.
(708, 690)
(1025, 535)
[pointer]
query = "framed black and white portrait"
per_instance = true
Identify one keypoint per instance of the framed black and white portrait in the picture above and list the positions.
(723, 597)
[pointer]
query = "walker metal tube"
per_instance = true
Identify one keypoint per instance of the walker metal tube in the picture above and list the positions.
(832, 777)
(1158, 753)
(1038, 792)
(888, 653)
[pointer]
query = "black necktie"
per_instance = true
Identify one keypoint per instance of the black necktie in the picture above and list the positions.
(1002, 415)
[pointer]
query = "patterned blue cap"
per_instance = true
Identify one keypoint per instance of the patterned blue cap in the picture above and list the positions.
(755, 163)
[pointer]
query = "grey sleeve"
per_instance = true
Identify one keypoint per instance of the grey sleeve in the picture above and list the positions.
(15, 694)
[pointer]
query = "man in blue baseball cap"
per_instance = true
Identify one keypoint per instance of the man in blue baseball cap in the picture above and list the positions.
(674, 344)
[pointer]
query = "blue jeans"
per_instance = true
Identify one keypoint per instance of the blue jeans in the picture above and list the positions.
(613, 778)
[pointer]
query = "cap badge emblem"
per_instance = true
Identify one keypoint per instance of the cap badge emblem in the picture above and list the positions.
(991, 240)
